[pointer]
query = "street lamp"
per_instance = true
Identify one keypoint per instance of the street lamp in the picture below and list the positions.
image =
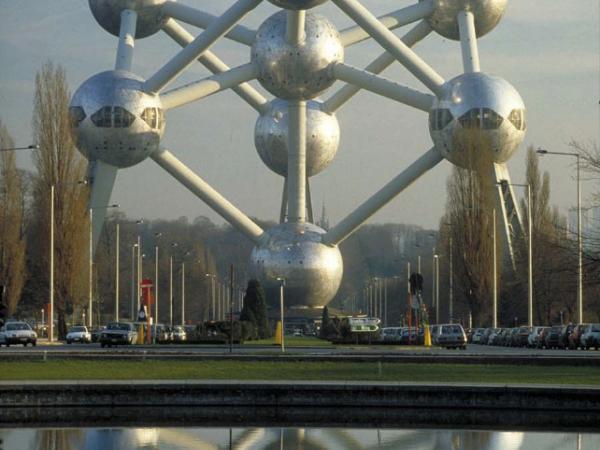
(91, 257)
(281, 286)
(29, 147)
(212, 290)
(173, 245)
(156, 236)
(542, 151)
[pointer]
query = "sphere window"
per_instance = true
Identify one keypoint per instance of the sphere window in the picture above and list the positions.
(440, 118)
(77, 115)
(154, 117)
(122, 118)
(103, 117)
(481, 118)
(517, 118)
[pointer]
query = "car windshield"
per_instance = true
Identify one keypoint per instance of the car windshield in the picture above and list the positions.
(118, 326)
(77, 330)
(17, 326)
(451, 329)
(596, 327)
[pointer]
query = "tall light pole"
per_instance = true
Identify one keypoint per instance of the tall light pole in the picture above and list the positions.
(495, 274)
(212, 290)
(436, 260)
(117, 272)
(529, 254)
(183, 293)
(51, 318)
(579, 234)
(91, 260)
(281, 286)
(156, 236)
(12, 149)
(173, 244)
(133, 289)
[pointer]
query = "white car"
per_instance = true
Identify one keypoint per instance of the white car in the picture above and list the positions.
(17, 333)
(179, 334)
(79, 334)
(591, 336)
(532, 340)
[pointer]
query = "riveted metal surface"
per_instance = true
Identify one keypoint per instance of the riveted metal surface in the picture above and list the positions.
(478, 90)
(293, 251)
(444, 21)
(150, 17)
(297, 4)
(271, 137)
(296, 71)
(120, 147)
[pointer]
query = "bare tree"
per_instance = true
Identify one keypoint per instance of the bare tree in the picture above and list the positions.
(58, 164)
(469, 213)
(12, 226)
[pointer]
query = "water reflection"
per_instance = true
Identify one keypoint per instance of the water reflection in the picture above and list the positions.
(289, 439)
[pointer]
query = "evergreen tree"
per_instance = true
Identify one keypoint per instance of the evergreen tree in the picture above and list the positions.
(255, 309)
(325, 323)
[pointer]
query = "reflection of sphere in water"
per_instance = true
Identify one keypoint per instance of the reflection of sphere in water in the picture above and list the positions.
(311, 269)
(150, 18)
(271, 137)
(114, 121)
(487, 14)
(296, 71)
(477, 112)
(297, 4)
(121, 439)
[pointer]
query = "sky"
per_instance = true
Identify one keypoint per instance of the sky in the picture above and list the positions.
(549, 50)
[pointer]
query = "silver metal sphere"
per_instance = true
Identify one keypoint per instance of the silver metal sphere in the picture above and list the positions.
(297, 4)
(293, 251)
(271, 137)
(150, 17)
(296, 72)
(480, 112)
(487, 15)
(114, 121)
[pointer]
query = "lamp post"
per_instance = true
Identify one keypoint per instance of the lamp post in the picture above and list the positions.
(156, 236)
(542, 151)
(133, 252)
(12, 149)
(118, 232)
(436, 261)
(173, 244)
(281, 286)
(91, 258)
(495, 274)
(212, 290)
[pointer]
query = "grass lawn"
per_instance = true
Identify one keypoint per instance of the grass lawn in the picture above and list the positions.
(288, 370)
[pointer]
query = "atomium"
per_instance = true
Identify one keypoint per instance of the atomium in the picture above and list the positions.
(477, 112)
(150, 18)
(114, 120)
(487, 14)
(297, 55)
(294, 252)
(296, 72)
(272, 131)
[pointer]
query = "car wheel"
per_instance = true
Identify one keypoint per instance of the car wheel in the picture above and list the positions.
(34, 343)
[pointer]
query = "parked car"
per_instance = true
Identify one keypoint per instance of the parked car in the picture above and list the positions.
(163, 334)
(391, 334)
(520, 339)
(179, 334)
(451, 335)
(79, 334)
(477, 335)
(532, 339)
(553, 337)
(575, 336)
(513, 337)
(118, 333)
(409, 336)
(591, 336)
(565, 333)
(541, 342)
(95, 334)
(17, 333)
(492, 336)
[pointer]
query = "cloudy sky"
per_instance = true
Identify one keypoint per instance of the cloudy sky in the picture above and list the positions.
(548, 49)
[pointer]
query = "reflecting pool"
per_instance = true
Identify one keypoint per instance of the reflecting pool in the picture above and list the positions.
(289, 438)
